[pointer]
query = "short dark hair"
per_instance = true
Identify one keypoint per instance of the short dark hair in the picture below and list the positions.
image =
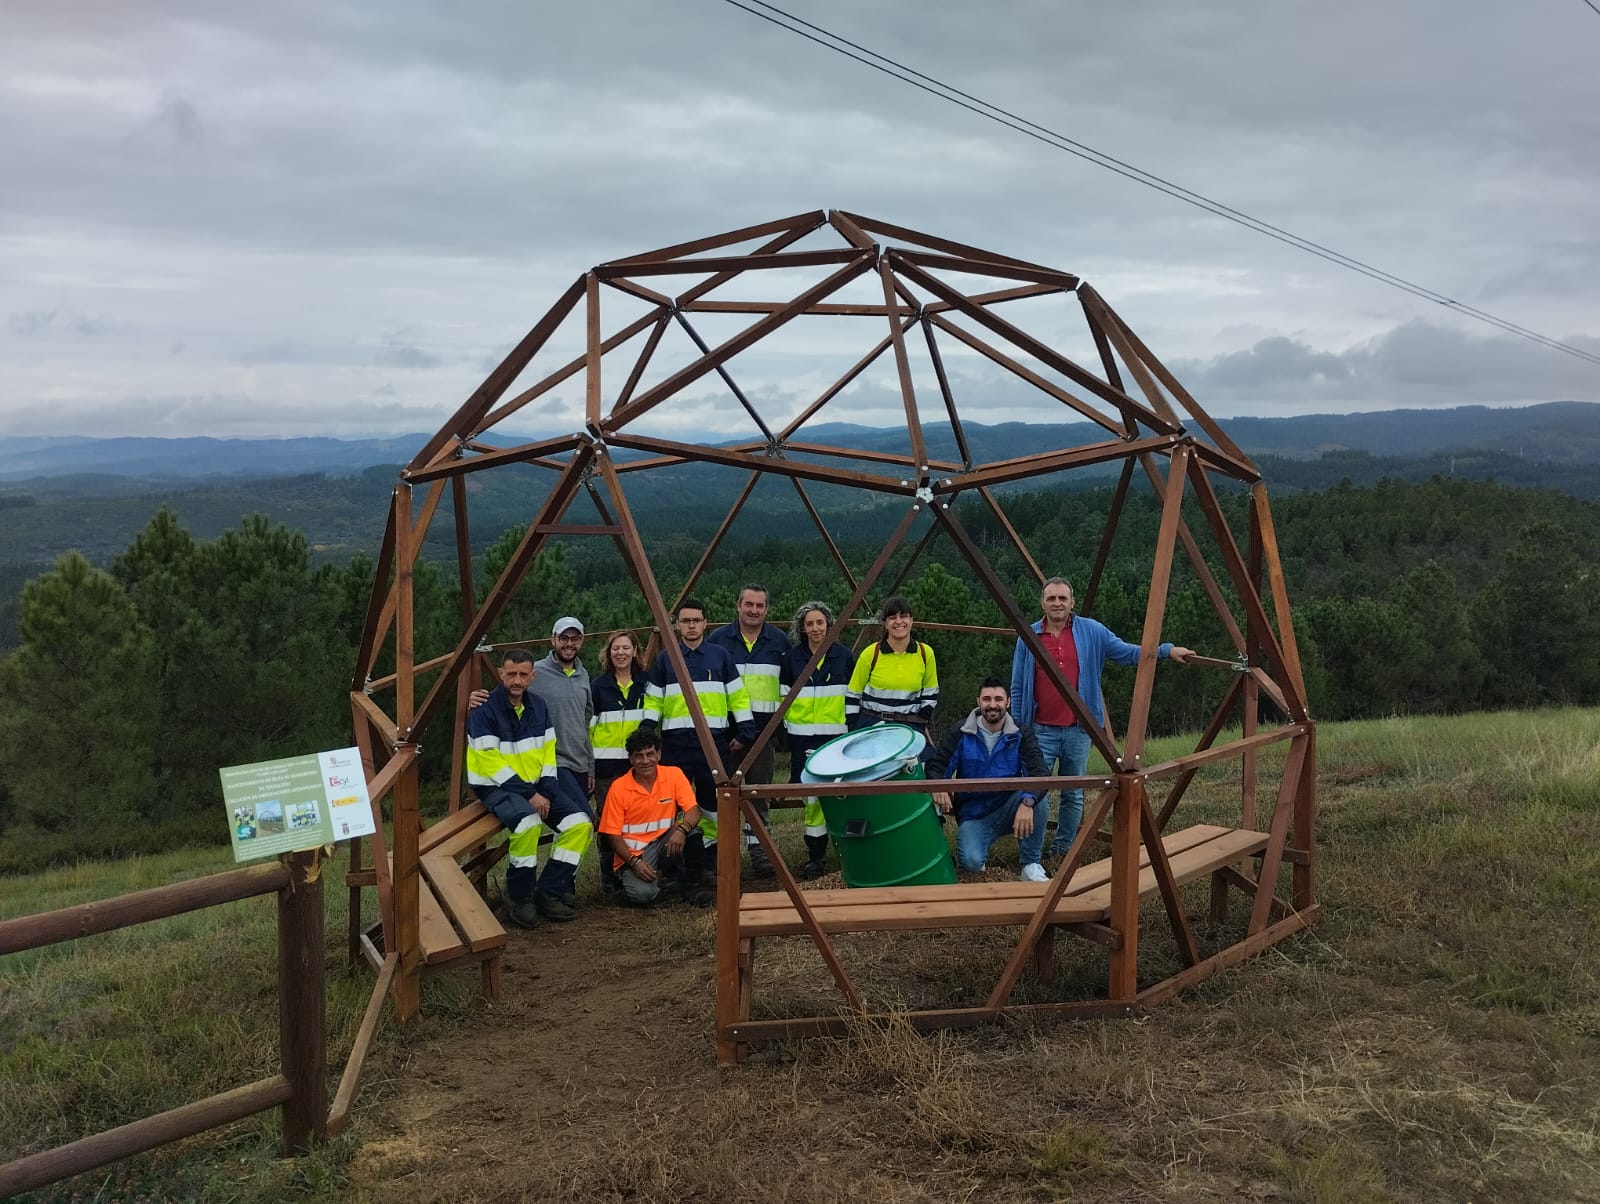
(895, 605)
(517, 656)
(752, 587)
(641, 738)
(995, 683)
(689, 604)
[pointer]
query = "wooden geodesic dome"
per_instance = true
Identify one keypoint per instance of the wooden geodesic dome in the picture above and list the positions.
(676, 326)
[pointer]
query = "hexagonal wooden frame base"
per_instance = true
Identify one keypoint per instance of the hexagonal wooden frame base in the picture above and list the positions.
(1159, 430)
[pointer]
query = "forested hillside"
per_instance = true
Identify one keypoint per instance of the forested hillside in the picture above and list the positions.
(1442, 596)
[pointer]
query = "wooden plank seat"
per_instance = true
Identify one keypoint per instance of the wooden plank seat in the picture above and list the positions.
(455, 921)
(1194, 852)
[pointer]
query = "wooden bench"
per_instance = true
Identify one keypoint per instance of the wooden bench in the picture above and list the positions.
(1084, 908)
(455, 921)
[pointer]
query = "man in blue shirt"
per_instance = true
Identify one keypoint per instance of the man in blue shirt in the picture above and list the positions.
(990, 744)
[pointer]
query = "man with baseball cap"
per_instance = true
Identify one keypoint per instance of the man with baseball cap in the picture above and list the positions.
(562, 684)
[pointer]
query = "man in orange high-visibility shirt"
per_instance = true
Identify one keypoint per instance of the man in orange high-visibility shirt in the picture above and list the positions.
(650, 818)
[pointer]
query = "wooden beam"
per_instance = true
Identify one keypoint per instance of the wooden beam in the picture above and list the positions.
(1144, 681)
(476, 406)
(1124, 918)
(752, 334)
(1278, 833)
(799, 224)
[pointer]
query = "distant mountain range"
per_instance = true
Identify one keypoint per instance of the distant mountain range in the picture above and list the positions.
(1560, 432)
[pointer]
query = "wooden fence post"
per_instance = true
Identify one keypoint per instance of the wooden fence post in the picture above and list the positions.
(302, 1027)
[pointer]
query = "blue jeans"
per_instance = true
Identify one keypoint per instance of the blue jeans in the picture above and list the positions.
(1066, 753)
(974, 837)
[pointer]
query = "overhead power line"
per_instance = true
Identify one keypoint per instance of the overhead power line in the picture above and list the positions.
(908, 75)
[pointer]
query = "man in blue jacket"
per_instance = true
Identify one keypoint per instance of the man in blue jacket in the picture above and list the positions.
(511, 767)
(991, 745)
(1081, 648)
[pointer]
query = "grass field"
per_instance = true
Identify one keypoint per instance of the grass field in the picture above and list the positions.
(1434, 1038)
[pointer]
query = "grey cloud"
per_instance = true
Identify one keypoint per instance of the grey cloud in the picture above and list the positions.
(1274, 360)
(94, 324)
(1415, 363)
(31, 321)
(296, 177)
(35, 321)
(179, 117)
(399, 351)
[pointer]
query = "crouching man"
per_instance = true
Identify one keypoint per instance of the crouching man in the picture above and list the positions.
(990, 745)
(511, 767)
(652, 823)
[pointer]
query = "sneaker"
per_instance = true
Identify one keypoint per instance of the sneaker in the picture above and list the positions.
(1034, 872)
(554, 907)
(523, 912)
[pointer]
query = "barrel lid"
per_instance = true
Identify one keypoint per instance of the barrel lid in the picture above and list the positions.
(865, 756)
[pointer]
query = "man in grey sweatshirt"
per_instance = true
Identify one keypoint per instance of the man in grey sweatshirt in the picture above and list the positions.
(562, 683)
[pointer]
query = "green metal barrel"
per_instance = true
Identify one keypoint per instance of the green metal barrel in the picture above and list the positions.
(882, 839)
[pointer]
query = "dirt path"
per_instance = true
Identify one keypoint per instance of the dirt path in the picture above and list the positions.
(603, 1019)
(595, 1078)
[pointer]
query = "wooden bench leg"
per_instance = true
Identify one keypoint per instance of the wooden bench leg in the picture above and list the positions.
(747, 966)
(1044, 954)
(1219, 899)
(490, 977)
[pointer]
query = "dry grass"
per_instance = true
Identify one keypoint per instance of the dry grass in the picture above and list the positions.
(1434, 1039)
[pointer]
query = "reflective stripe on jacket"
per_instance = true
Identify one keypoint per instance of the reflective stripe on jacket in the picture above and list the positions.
(615, 716)
(759, 664)
(641, 816)
(823, 707)
(718, 686)
(507, 750)
(896, 685)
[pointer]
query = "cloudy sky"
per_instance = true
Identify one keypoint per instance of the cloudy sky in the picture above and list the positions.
(334, 217)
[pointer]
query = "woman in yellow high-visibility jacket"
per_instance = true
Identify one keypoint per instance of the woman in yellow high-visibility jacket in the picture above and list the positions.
(820, 712)
(896, 679)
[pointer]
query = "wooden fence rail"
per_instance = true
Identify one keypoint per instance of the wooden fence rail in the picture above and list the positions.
(301, 1087)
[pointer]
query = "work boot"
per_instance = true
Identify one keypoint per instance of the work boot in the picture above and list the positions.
(524, 913)
(817, 853)
(554, 907)
(695, 895)
(760, 866)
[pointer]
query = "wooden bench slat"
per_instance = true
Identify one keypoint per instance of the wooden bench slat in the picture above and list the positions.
(1193, 852)
(440, 942)
(1096, 873)
(1192, 863)
(449, 826)
(977, 913)
(461, 901)
(459, 841)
